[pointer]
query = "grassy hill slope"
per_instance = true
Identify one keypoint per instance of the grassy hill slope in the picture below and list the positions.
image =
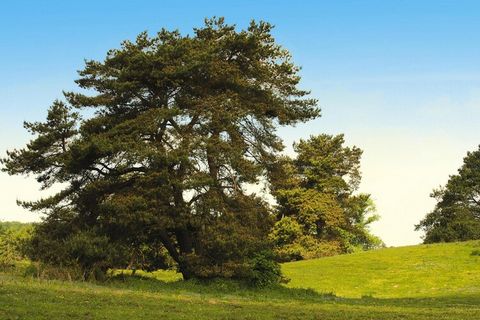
(415, 271)
(418, 282)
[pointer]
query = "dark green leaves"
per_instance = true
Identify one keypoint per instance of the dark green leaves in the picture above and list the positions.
(456, 216)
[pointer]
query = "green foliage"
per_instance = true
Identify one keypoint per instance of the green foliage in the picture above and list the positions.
(230, 241)
(264, 270)
(292, 244)
(285, 231)
(93, 253)
(327, 165)
(13, 239)
(319, 213)
(456, 216)
(180, 126)
(70, 252)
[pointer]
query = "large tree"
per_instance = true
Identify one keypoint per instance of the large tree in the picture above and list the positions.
(180, 125)
(319, 211)
(456, 216)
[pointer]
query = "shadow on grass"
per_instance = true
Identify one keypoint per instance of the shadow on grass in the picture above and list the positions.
(216, 287)
(225, 289)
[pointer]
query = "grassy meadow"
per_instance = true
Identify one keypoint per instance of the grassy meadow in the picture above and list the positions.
(440, 281)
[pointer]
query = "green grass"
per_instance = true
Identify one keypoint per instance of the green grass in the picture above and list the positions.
(415, 271)
(418, 282)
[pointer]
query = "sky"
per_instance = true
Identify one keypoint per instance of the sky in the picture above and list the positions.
(401, 80)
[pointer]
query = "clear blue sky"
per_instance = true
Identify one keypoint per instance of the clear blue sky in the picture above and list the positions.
(400, 78)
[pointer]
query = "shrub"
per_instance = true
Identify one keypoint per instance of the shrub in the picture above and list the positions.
(67, 255)
(264, 270)
(92, 253)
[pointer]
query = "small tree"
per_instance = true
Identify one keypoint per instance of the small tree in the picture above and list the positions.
(456, 216)
(319, 214)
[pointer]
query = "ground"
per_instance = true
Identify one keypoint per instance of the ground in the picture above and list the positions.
(419, 282)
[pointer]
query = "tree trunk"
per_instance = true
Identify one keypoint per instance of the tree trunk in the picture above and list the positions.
(185, 270)
(185, 245)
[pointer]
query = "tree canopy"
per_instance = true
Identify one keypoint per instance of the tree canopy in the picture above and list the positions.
(319, 212)
(456, 216)
(180, 124)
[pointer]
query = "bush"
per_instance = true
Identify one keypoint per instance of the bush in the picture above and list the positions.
(265, 271)
(92, 253)
(73, 254)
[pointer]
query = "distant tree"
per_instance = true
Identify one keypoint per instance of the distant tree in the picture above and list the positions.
(319, 213)
(180, 125)
(13, 237)
(456, 216)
